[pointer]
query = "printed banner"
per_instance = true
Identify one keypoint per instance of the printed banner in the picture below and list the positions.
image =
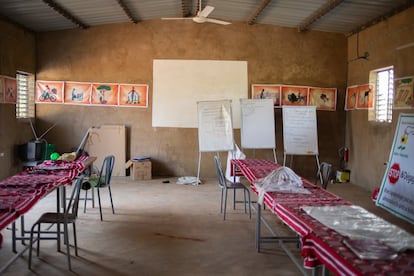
(133, 95)
(78, 92)
(10, 90)
(295, 95)
(397, 189)
(49, 91)
(105, 94)
(323, 98)
(403, 93)
(267, 91)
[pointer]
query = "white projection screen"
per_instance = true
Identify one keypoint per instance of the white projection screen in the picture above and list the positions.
(179, 84)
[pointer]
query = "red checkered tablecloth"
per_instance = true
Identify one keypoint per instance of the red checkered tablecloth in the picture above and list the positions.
(18, 193)
(320, 244)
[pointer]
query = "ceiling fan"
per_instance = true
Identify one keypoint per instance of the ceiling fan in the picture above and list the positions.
(201, 17)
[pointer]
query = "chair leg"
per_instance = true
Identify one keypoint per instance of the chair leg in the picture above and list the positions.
(221, 201)
(38, 240)
(84, 201)
(234, 199)
(245, 202)
(99, 201)
(110, 197)
(225, 204)
(75, 241)
(14, 237)
(249, 202)
(66, 237)
(31, 246)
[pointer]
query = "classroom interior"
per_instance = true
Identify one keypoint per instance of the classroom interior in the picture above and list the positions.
(124, 53)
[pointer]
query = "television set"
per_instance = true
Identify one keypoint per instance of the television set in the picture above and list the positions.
(31, 151)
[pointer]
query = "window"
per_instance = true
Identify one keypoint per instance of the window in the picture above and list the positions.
(384, 93)
(25, 105)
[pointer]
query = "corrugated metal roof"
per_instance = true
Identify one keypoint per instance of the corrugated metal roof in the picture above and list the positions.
(346, 15)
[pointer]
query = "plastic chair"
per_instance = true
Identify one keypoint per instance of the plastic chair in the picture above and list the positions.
(67, 217)
(324, 174)
(104, 180)
(226, 185)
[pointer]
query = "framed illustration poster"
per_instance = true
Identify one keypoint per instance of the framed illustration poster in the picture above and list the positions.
(105, 93)
(351, 97)
(323, 98)
(294, 95)
(1, 89)
(49, 91)
(133, 95)
(78, 92)
(365, 97)
(10, 90)
(403, 93)
(267, 91)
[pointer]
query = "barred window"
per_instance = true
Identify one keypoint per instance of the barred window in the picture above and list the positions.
(384, 94)
(25, 105)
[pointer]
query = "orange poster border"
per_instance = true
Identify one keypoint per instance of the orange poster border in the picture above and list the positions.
(49, 92)
(78, 93)
(10, 90)
(323, 98)
(366, 96)
(105, 94)
(267, 91)
(133, 95)
(292, 95)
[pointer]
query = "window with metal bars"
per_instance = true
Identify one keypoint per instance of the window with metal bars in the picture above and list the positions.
(25, 105)
(384, 94)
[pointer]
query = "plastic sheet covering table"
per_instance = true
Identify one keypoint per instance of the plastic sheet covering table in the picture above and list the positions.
(319, 243)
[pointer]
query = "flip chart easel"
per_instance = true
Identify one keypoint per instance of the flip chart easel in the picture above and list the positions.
(215, 128)
(300, 135)
(258, 124)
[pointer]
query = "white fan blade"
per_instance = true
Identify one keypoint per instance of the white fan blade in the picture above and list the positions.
(211, 20)
(206, 11)
(175, 18)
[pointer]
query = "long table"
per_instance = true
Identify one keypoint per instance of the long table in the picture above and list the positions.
(320, 245)
(20, 192)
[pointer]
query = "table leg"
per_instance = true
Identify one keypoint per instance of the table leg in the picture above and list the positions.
(258, 226)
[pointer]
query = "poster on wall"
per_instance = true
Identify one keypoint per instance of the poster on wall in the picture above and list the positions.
(78, 92)
(1, 89)
(49, 91)
(365, 96)
(323, 98)
(133, 95)
(267, 91)
(10, 90)
(397, 189)
(294, 95)
(403, 93)
(105, 94)
(351, 97)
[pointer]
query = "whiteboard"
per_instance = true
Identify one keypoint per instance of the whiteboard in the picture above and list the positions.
(180, 84)
(215, 130)
(300, 130)
(257, 124)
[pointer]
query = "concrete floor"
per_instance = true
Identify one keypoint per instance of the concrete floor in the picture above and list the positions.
(168, 229)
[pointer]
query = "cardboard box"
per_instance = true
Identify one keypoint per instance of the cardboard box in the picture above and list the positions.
(140, 170)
